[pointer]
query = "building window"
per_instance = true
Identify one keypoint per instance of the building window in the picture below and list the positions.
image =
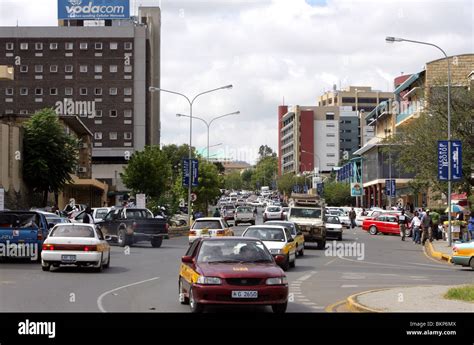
(330, 155)
(128, 46)
(331, 165)
(83, 46)
(38, 91)
(127, 91)
(98, 45)
(331, 145)
(23, 68)
(329, 116)
(38, 68)
(23, 112)
(330, 125)
(53, 91)
(39, 46)
(24, 46)
(98, 113)
(83, 68)
(113, 91)
(68, 91)
(53, 46)
(113, 68)
(330, 135)
(113, 113)
(127, 113)
(24, 91)
(69, 46)
(9, 46)
(98, 135)
(98, 68)
(9, 91)
(83, 91)
(127, 69)
(68, 68)
(348, 99)
(113, 45)
(98, 91)
(53, 68)
(8, 111)
(113, 135)
(127, 135)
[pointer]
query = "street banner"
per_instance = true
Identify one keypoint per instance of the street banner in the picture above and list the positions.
(456, 160)
(356, 189)
(390, 187)
(185, 171)
(443, 160)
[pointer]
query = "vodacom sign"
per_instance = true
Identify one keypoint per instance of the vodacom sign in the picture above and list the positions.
(93, 9)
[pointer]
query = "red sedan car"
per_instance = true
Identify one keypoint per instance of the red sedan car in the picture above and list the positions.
(231, 271)
(385, 223)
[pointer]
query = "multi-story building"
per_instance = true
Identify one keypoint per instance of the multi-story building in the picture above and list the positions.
(99, 73)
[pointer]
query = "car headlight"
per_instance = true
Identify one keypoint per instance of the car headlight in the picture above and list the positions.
(276, 251)
(209, 280)
(277, 281)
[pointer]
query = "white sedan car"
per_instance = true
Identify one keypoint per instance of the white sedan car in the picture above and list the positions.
(77, 245)
(273, 213)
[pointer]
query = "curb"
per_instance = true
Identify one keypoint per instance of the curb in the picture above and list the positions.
(437, 255)
(354, 306)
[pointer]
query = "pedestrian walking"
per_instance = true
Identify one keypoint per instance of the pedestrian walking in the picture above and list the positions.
(415, 225)
(402, 223)
(470, 226)
(216, 213)
(426, 225)
(352, 217)
(88, 216)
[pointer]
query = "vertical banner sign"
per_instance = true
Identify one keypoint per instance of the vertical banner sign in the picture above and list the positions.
(456, 160)
(388, 188)
(195, 167)
(393, 185)
(443, 160)
(185, 172)
(195, 172)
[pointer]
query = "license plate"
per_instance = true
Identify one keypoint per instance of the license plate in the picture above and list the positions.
(244, 294)
(204, 232)
(68, 258)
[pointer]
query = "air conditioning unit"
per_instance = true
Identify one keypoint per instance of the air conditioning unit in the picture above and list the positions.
(82, 169)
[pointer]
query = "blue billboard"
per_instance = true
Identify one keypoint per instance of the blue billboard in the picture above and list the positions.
(93, 9)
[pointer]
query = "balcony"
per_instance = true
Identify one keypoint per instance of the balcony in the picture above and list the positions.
(404, 117)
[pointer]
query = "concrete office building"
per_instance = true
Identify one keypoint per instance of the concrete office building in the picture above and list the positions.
(99, 73)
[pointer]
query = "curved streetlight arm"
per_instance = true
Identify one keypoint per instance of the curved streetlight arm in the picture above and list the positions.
(152, 88)
(209, 91)
(194, 117)
(219, 117)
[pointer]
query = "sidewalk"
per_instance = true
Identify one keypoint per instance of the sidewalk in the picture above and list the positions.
(407, 299)
(439, 250)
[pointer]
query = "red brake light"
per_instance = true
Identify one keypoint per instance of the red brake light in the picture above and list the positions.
(48, 247)
(220, 232)
(192, 233)
(90, 248)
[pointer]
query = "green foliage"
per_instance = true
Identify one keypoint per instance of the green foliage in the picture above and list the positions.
(50, 155)
(337, 194)
(265, 151)
(208, 187)
(233, 180)
(246, 177)
(265, 171)
(285, 183)
(148, 171)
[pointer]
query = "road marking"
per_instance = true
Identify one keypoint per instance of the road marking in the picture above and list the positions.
(318, 307)
(330, 262)
(349, 286)
(397, 266)
(99, 300)
(307, 276)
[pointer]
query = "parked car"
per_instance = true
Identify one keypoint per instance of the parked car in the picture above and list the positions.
(231, 271)
(28, 228)
(277, 239)
(273, 212)
(385, 223)
(98, 214)
(127, 226)
(228, 212)
(77, 245)
(343, 218)
(295, 233)
(244, 214)
(463, 254)
(209, 227)
(53, 218)
(333, 227)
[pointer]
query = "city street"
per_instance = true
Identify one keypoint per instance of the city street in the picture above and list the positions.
(146, 279)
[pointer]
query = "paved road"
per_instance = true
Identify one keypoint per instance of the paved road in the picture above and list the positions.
(146, 278)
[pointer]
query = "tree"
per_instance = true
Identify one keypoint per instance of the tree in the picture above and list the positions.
(220, 167)
(285, 183)
(265, 171)
(265, 151)
(233, 180)
(50, 155)
(208, 185)
(337, 194)
(416, 143)
(148, 172)
(246, 177)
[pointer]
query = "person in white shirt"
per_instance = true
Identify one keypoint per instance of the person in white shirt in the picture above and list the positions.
(415, 225)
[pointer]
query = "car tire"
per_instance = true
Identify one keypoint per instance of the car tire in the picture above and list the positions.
(279, 308)
(373, 230)
(286, 265)
(236, 223)
(195, 307)
(293, 263)
(180, 291)
(322, 244)
(253, 223)
(107, 265)
(156, 242)
(471, 263)
(45, 266)
(339, 238)
(99, 268)
(302, 251)
(122, 238)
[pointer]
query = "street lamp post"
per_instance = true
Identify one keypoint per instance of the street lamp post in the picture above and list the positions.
(398, 39)
(208, 124)
(191, 102)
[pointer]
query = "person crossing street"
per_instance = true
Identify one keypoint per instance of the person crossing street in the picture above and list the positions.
(352, 217)
(403, 222)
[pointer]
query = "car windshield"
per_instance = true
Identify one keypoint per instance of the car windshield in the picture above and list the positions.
(230, 251)
(273, 209)
(56, 220)
(333, 220)
(19, 220)
(101, 213)
(73, 231)
(290, 226)
(266, 234)
(138, 214)
(207, 224)
(244, 209)
(306, 212)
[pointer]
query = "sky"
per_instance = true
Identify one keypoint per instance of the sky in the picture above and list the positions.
(277, 52)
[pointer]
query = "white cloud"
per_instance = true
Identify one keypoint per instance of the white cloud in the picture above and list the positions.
(274, 49)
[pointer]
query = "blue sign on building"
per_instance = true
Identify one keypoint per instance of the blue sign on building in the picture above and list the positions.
(390, 187)
(93, 9)
(456, 160)
(195, 172)
(443, 160)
